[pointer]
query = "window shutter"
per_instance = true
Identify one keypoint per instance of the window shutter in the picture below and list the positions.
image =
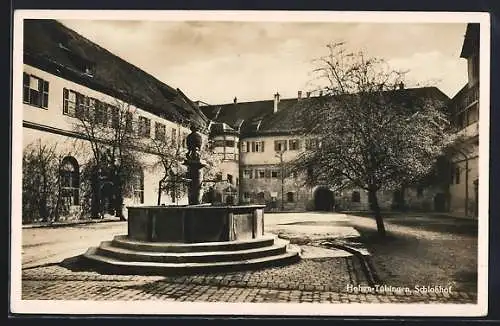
(253, 146)
(26, 88)
(284, 144)
(262, 146)
(276, 146)
(26, 79)
(65, 100)
(268, 173)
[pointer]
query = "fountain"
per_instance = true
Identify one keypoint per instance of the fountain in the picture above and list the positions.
(192, 238)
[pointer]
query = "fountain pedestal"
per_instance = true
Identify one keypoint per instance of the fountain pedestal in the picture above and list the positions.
(193, 238)
(191, 224)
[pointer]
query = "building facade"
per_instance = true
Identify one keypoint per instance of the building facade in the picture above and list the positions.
(270, 138)
(66, 76)
(464, 107)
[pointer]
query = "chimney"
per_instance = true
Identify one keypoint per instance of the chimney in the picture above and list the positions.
(235, 100)
(308, 94)
(299, 95)
(276, 101)
(401, 85)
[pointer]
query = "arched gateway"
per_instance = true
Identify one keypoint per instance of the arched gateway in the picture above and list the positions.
(323, 199)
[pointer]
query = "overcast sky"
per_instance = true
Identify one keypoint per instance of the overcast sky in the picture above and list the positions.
(217, 61)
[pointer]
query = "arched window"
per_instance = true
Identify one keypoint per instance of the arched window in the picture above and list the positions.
(261, 196)
(70, 181)
(290, 197)
(138, 187)
(355, 197)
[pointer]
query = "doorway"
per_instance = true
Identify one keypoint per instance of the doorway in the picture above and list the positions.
(323, 199)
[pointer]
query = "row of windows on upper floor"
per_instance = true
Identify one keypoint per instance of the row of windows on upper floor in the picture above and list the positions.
(280, 145)
(269, 173)
(77, 105)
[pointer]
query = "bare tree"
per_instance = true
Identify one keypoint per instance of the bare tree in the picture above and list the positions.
(169, 152)
(372, 134)
(108, 128)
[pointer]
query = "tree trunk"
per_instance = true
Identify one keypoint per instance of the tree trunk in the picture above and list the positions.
(119, 200)
(160, 183)
(375, 208)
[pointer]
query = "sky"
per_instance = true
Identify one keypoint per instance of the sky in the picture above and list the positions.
(216, 61)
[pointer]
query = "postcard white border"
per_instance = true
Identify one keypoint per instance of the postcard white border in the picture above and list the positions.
(292, 309)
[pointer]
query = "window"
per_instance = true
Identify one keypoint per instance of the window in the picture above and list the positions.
(128, 122)
(230, 178)
(258, 146)
(160, 131)
(174, 137)
(35, 91)
(218, 143)
(279, 145)
(138, 187)
(237, 181)
(355, 197)
(115, 117)
(290, 197)
(247, 174)
(69, 102)
(260, 174)
(275, 174)
(420, 192)
(457, 175)
(261, 196)
(312, 143)
(243, 145)
(82, 108)
(229, 143)
(294, 144)
(144, 127)
(246, 195)
(70, 181)
(184, 139)
(101, 113)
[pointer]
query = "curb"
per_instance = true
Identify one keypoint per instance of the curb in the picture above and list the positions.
(63, 224)
(366, 264)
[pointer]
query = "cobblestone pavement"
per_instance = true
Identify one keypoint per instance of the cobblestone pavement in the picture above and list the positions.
(317, 280)
(324, 280)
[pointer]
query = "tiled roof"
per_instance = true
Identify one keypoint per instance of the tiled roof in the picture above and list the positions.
(51, 46)
(257, 118)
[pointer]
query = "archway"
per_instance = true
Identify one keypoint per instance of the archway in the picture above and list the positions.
(323, 199)
(70, 180)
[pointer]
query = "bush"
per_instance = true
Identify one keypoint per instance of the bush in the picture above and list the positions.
(41, 188)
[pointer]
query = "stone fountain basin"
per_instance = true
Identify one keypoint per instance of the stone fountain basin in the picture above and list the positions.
(195, 223)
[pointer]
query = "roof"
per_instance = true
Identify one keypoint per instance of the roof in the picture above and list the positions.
(257, 118)
(221, 128)
(471, 41)
(51, 46)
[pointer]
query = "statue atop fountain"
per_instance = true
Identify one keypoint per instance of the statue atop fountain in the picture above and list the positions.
(194, 165)
(192, 238)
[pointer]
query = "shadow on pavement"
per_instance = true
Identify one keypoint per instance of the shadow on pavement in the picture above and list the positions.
(435, 222)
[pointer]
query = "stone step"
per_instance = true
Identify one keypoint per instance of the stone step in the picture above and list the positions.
(107, 249)
(123, 241)
(109, 265)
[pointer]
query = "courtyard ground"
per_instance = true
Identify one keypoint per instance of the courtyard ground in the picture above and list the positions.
(419, 250)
